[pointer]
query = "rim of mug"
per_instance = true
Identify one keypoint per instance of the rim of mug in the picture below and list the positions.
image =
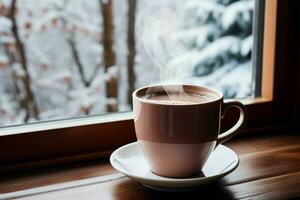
(219, 94)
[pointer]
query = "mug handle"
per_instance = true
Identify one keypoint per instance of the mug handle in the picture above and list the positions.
(232, 131)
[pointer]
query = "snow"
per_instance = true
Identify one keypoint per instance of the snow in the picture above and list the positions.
(240, 85)
(112, 72)
(204, 62)
(247, 45)
(6, 39)
(222, 79)
(54, 79)
(224, 2)
(46, 20)
(199, 42)
(18, 70)
(197, 37)
(238, 12)
(5, 24)
(3, 60)
(202, 12)
(38, 55)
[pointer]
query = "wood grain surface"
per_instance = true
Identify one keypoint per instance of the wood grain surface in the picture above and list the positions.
(269, 169)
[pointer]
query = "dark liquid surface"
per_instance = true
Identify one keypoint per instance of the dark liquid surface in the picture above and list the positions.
(182, 99)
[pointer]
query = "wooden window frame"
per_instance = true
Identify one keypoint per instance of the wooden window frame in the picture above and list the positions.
(59, 142)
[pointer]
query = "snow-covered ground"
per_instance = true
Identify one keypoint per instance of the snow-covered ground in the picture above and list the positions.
(194, 41)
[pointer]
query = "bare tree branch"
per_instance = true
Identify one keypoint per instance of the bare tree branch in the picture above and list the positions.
(72, 43)
(131, 49)
(79, 64)
(77, 60)
(108, 53)
(30, 102)
(16, 89)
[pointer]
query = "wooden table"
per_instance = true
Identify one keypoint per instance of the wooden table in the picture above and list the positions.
(269, 169)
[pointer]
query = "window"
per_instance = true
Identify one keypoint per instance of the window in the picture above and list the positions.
(64, 141)
(66, 59)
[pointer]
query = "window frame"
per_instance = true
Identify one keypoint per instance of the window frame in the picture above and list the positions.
(66, 141)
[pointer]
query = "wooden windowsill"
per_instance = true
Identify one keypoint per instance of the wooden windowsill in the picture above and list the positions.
(269, 169)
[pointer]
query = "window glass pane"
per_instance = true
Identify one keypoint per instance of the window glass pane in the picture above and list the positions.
(68, 58)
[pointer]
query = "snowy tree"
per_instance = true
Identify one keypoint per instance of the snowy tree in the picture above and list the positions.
(19, 60)
(217, 35)
(81, 78)
(43, 48)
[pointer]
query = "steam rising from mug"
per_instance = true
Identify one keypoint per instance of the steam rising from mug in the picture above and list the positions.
(157, 28)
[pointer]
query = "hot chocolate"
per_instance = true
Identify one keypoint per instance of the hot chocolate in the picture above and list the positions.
(181, 99)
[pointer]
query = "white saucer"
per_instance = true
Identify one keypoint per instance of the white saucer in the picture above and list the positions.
(130, 161)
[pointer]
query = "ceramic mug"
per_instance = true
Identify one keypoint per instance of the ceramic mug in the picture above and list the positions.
(177, 139)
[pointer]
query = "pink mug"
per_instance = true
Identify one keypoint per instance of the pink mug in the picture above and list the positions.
(177, 139)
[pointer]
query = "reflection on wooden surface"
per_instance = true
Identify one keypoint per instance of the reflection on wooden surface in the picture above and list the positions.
(269, 169)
